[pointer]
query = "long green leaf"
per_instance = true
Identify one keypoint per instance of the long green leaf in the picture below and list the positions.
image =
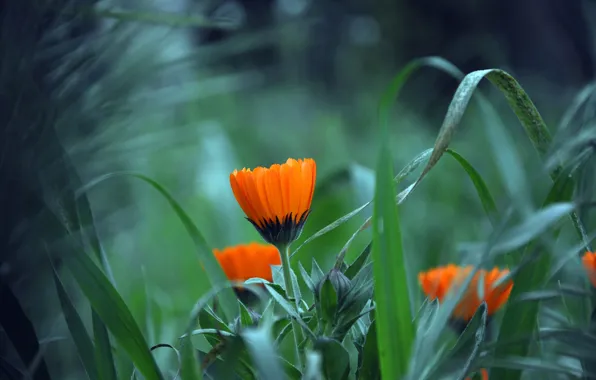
(479, 339)
(82, 341)
(395, 331)
(227, 298)
(104, 357)
(488, 203)
(112, 310)
(263, 353)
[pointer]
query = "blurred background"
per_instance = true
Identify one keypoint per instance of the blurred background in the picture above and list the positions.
(185, 91)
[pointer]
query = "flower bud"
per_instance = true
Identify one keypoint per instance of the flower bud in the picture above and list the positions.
(340, 282)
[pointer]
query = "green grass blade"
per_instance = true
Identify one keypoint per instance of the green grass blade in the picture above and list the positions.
(82, 341)
(103, 349)
(227, 298)
(479, 339)
(189, 368)
(522, 318)
(408, 169)
(370, 356)
(263, 353)
(332, 226)
(112, 310)
(395, 331)
(488, 202)
(402, 77)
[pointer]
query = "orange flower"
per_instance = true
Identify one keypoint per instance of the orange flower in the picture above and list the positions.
(589, 261)
(245, 261)
(438, 282)
(276, 200)
(483, 373)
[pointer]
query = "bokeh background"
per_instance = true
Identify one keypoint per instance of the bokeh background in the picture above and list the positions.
(185, 91)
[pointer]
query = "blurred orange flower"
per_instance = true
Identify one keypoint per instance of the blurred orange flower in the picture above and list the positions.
(483, 373)
(438, 282)
(276, 200)
(589, 262)
(245, 261)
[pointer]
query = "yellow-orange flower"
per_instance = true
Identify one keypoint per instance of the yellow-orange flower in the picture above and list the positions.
(276, 200)
(438, 282)
(253, 260)
(589, 262)
(483, 373)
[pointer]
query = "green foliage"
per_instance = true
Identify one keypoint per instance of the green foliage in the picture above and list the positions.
(360, 318)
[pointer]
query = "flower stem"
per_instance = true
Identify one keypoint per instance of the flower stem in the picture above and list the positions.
(289, 285)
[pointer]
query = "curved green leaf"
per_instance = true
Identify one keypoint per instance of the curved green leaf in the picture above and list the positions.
(263, 353)
(479, 339)
(82, 341)
(486, 198)
(213, 270)
(112, 310)
(103, 349)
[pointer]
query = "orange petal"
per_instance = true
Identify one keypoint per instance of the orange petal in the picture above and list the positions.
(437, 283)
(245, 261)
(589, 263)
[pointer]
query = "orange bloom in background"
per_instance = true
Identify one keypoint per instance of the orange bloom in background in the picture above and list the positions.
(245, 261)
(276, 200)
(438, 282)
(589, 262)
(483, 373)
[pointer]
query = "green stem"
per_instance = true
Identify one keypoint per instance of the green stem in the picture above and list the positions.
(289, 285)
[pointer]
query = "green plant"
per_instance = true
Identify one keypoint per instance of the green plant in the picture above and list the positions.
(364, 320)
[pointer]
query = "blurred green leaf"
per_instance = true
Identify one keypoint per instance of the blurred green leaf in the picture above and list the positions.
(479, 339)
(165, 345)
(292, 373)
(522, 318)
(370, 369)
(103, 349)
(77, 330)
(209, 320)
(551, 294)
(395, 331)
(210, 265)
(516, 364)
(590, 364)
(336, 359)
(112, 310)
(404, 74)
(246, 318)
(263, 353)
(314, 362)
(331, 226)
(189, 368)
(532, 227)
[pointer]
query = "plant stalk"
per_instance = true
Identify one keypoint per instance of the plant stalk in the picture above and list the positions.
(284, 252)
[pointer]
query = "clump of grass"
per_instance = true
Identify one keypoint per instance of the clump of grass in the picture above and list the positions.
(365, 319)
